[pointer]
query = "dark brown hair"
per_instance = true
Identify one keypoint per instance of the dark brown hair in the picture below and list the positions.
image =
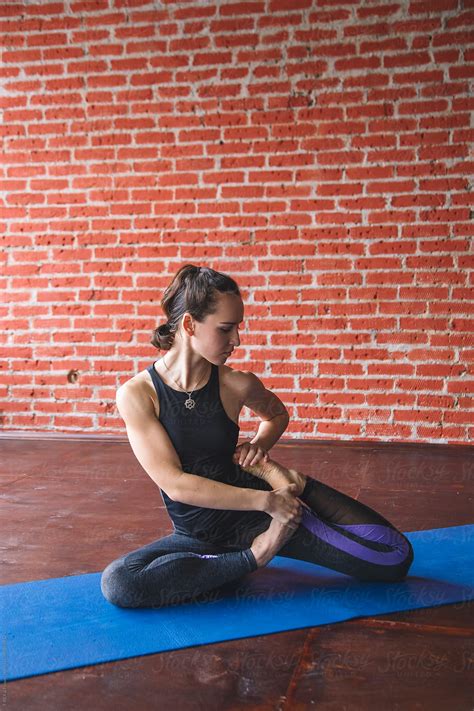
(193, 290)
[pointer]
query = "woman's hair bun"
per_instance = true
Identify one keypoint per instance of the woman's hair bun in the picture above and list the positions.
(162, 337)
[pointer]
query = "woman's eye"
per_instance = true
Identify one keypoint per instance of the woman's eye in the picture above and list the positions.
(226, 329)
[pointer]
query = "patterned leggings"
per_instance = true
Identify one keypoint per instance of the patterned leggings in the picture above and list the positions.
(338, 532)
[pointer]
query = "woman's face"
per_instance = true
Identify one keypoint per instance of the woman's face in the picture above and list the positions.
(218, 334)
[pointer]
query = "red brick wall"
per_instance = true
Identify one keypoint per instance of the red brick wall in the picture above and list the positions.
(319, 152)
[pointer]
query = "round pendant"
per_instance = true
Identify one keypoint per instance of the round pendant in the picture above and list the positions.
(189, 403)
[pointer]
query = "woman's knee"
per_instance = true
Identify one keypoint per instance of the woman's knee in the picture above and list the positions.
(398, 573)
(119, 585)
(390, 573)
(407, 563)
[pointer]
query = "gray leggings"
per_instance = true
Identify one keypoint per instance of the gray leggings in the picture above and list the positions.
(337, 532)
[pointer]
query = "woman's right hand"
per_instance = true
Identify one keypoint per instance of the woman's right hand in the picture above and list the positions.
(283, 505)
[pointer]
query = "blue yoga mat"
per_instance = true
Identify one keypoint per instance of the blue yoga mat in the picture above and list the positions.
(62, 623)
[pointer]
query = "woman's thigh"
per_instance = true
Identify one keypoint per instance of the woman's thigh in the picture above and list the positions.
(368, 552)
(173, 543)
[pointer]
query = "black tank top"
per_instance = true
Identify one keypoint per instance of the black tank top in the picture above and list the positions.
(205, 439)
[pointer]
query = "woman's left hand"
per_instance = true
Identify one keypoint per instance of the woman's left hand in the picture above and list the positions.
(248, 454)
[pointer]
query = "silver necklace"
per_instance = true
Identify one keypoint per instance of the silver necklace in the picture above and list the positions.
(189, 403)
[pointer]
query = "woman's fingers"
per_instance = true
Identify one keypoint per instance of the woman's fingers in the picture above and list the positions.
(249, 455)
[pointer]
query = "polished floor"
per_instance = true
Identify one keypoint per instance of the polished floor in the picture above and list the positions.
(72, 504)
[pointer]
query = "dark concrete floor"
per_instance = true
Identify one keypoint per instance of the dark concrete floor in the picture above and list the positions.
(73, 504)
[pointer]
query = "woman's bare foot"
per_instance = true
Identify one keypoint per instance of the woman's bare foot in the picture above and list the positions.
(291, 476)
(277, 475)
(267, 544)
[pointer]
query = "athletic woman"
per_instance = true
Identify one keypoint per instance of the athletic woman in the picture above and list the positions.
(233, 508)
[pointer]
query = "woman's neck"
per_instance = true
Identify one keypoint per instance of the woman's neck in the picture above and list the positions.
(185, 371)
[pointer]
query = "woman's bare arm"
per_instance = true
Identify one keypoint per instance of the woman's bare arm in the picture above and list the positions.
(199, 491)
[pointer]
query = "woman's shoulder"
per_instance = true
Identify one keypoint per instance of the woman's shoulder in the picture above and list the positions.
(238, 379)
(141, 385)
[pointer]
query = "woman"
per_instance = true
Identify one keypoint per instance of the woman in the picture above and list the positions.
(233, 508)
